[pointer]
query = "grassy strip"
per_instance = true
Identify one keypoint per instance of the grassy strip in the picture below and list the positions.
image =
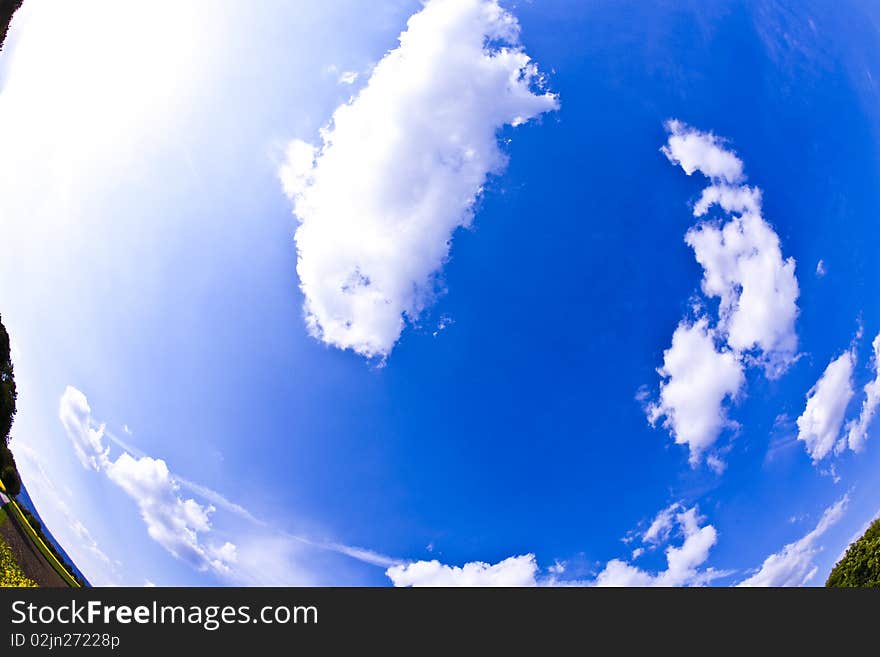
(15, 511)
(41, 546)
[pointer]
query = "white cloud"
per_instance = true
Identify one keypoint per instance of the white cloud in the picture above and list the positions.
(793, 565)
(857, 430)
(174, 523)
(819, 425)
(682, 562)
(697, 379)
(400, 168)
(739, 199)
(86, 436)
(513, 571)
(701, 151)
(743, 267)
(618, 573)
(820, 269)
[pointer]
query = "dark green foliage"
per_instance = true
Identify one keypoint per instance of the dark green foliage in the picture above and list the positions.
(8, 393)
(9, 476)
(8, 471)
(33, 522)
(860, 565)
(7, 8)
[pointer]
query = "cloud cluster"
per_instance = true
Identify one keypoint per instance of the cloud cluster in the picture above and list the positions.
(513, 571)
(682, 561)
(756, 289)
(400, 168)
(793, 565)
(176, 524)
(682, 569)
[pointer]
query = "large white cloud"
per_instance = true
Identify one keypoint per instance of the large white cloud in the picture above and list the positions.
(857, 430)
(820, 423)
(698, 377)
(513, 571)
(400, 168)
(793, 565)
(744, 268)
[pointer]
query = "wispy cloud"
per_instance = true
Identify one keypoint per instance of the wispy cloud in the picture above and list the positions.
(181, 525)
(400, 168)
(348, 77)
(857, 430)
(176, 524)
(82, 546)
(794, 564)
(217, 499)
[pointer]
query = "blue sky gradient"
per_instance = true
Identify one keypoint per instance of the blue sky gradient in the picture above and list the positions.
(149, 262)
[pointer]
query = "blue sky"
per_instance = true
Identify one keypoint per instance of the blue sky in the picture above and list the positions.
(362, 404)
